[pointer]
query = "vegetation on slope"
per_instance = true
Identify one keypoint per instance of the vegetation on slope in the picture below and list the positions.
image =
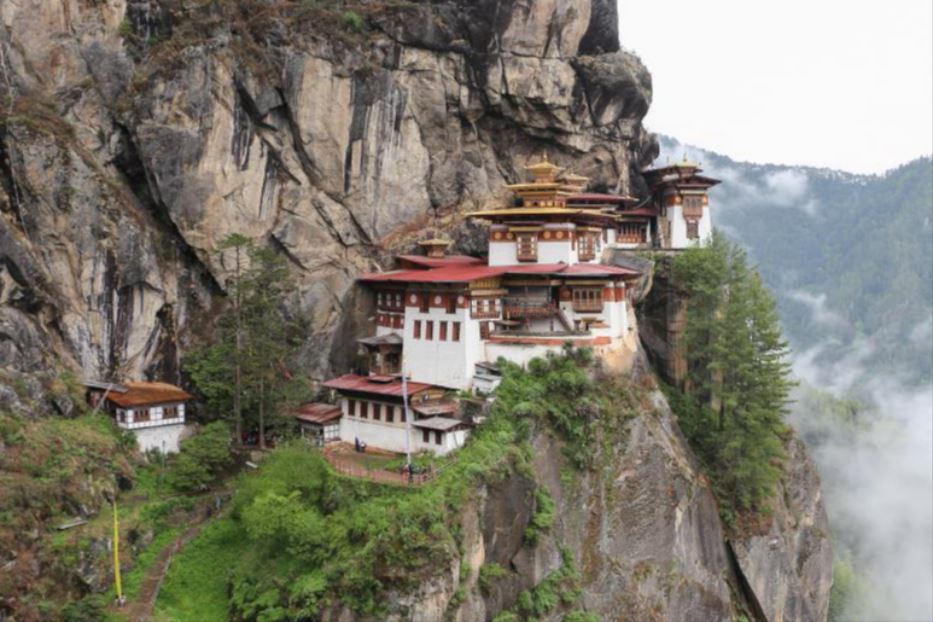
(302, 539)
(738, 383)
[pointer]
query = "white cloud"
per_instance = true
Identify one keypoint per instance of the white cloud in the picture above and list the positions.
(820, 313)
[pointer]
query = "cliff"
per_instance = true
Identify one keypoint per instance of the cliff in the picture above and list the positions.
(137, 134)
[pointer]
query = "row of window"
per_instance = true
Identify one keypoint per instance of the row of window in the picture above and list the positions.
(375, 411)
(442, 330)
(426, 436)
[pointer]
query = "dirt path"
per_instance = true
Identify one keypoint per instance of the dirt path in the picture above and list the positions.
(140, 609)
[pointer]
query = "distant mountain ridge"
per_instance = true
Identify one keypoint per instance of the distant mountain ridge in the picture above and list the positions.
(849, 257)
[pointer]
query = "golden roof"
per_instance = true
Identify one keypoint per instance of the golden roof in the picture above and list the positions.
(435, 242)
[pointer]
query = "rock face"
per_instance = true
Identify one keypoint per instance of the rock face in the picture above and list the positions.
(645, 532)
(137, 134)
(786, 568)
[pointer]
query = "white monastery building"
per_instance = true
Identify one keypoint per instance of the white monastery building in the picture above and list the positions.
(153, 411)
(445, 320)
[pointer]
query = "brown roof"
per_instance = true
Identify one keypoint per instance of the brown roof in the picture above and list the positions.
(316, 412)
(143, 393)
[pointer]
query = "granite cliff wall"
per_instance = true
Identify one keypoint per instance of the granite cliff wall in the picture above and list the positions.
(137, 134)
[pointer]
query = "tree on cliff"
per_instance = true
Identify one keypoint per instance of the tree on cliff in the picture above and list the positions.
(738, 377)
(247, 365)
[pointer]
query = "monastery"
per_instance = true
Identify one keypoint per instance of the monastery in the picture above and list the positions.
(442, 321)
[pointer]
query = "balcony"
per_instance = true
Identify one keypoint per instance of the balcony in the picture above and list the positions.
(587, 306)
(150, 423)
(522, 308)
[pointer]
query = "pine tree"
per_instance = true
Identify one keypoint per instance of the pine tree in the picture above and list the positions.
(738, 379)
(247, 366)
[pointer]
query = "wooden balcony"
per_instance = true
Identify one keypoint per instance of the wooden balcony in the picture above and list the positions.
(518, 308)
(587, 306)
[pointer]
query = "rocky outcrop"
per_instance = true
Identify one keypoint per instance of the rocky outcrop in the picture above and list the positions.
(644, 530)
(788, 568)
(137, 134)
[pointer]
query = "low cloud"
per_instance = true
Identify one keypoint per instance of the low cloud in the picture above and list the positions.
(821, 314)
(786, 187)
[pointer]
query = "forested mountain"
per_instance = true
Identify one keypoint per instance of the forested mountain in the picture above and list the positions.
(850, 257)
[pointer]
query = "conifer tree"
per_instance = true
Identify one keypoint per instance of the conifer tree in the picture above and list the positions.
(738, 381)
(247, 366)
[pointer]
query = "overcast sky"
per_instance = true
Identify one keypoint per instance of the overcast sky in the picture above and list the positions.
(845, 84)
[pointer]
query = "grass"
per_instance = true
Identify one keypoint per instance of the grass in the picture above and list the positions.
(195, 586)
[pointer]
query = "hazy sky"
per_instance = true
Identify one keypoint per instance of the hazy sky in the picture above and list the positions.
(846, 84)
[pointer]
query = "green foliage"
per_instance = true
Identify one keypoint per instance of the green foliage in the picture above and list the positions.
(559, 590)
(307, 536)
(87, 609)
(543, 517)
(489, 574)
(352, 21)
(256, 337)
(738, 378)
(581, 616)
(557, 390)
(203, 458)
(849, 590)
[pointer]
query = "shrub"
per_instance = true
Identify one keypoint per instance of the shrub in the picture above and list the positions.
(352, 21)
(203, 458)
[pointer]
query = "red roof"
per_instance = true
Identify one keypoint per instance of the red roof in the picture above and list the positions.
(367, 384)
(466, 274)
(441, 262)
(143, 393)
(583, 269)
(317, 412)
(447, 274)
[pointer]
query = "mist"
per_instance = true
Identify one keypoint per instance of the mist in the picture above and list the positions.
(877, 472)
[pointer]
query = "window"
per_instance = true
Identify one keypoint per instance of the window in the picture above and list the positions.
(351, 408)
(425, 436)
(456, 331)
(390, 413)
(451, 303)
(437, 437)
(141, 414)
(443, 327)
(693, 229)
(170, 412)
(429, 330)
(587, 299)
(417, 329)
(693, 206)
(424, 302)
(401, 414)
(377, 411)
(587, 247)
(527, 244)
(364, 410)
(484, 330)
(379, 299)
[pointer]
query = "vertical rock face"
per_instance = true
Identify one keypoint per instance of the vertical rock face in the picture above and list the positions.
(137, 134)
(644, 530)
(788, 568)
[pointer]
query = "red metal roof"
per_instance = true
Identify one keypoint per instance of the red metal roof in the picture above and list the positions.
(316, 412)
(582, 269)
(465, 274)
(365, 384)
(143, 393)
(440, 262)
(448, 274)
